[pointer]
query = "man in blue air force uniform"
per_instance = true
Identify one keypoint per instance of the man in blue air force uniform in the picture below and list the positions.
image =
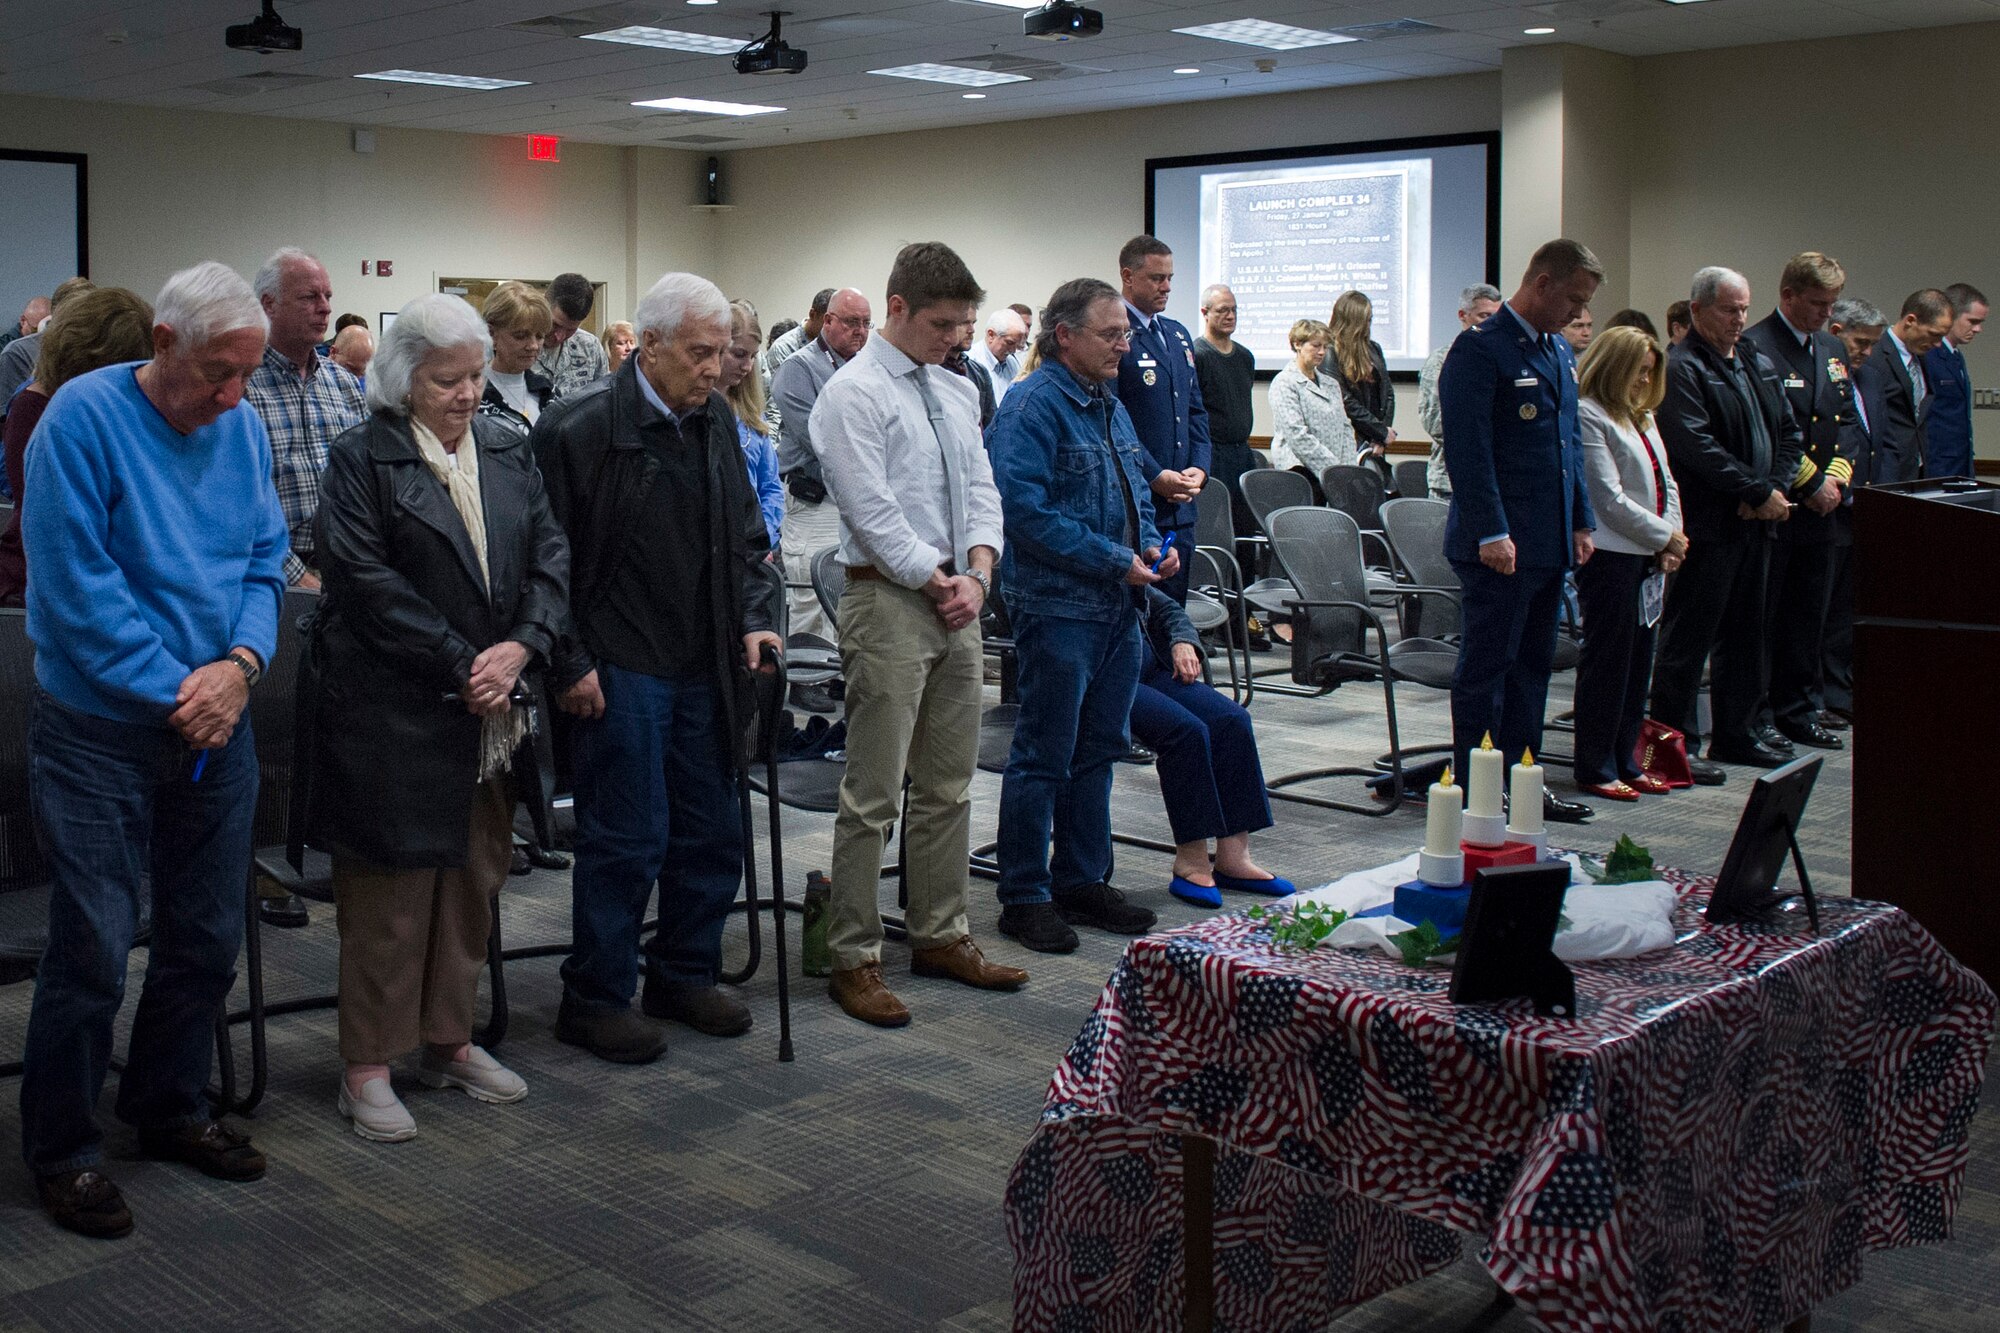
(1520, 515)
(1157, 384)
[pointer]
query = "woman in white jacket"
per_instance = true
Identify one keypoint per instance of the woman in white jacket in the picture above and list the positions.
(1309, 421)
(1621, 379)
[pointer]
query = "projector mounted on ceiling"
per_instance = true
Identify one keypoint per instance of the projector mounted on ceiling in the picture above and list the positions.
(265, 34)
(1062, 21)
(770, 54)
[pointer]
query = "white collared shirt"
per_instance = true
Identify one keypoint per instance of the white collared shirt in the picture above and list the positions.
(1913, 367)
(885, 469)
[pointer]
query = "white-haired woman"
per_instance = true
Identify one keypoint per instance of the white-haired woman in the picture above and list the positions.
(445, 578)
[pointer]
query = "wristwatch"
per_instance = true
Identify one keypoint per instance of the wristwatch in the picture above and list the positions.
(247, 664)
(985, 584)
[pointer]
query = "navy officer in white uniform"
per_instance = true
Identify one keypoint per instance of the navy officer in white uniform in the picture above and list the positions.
(1520, 514)
(1157, 384)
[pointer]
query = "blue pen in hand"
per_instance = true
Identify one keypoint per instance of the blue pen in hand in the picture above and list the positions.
(1165, 547)
(200, 762)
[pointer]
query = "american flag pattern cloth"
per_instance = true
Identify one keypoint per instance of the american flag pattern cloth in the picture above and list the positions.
(1711, 1144)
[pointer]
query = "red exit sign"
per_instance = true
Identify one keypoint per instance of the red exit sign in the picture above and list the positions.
(544, 148)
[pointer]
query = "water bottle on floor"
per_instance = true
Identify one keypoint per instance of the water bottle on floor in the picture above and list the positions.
(815, 959)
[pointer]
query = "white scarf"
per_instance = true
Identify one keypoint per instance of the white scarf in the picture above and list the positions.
(500, 734)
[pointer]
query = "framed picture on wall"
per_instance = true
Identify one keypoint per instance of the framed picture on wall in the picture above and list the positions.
(45, 218)
(384, 320)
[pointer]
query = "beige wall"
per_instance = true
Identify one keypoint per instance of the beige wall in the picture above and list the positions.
(168, 188)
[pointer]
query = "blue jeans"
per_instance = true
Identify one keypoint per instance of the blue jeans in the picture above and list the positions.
(1076, 684)
(1506, 651)
(1210, 776)
(115, 807)
(655, 802)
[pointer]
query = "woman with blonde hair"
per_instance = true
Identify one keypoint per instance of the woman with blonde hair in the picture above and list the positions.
(1354, 361)
(618, 340)
(744, 388)
(517, 319)
(1310, 428)
(1620, 382)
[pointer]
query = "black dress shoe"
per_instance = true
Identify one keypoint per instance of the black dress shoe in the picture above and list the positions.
(1833, 721)
(714, 1010)
(547, 858)
(85, 1202)
(618, 1035)
(1556, 810)
(1137, 754)
(1706, 774)
(520, 864)
(1037, 926)
(214, 1149)
(286, 913)
(1104, 907)
(1773, 739)
(1754, 756)
(1814, 735)
(814, 698)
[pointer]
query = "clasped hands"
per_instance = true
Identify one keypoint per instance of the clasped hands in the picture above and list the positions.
(1181, 487)
(1775, 508)
(957, 598)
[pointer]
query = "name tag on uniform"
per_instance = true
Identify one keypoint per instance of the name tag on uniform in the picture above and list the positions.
(1794, 382)
(1526, 382)
(1147, 361)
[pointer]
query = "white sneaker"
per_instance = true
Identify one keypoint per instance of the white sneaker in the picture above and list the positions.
(378, 1114)
(481, 1076)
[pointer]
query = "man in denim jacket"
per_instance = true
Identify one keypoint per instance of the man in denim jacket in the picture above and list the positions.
(1081, 547)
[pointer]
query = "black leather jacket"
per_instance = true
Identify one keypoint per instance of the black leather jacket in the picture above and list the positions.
(1707, 434)
(404, 614)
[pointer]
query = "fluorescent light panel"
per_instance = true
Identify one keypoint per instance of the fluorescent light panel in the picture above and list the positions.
(1014, 4)
(669, 40)
(468, 81)
(708, 108)
(1261, 32)
(962, 75)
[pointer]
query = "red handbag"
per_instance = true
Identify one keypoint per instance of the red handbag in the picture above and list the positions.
(1661, 754)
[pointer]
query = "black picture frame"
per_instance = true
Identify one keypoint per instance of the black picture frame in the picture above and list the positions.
(1746, 889)
(1507, 949)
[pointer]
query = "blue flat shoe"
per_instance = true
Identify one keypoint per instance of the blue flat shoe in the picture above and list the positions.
(1269, 888)
(1201, 895)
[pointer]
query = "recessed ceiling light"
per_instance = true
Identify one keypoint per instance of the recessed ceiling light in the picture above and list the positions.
(708, 108)
(1270, 36)
(963, 75)
(1188, 69)
(668, 40)
(1014, 4)
(442, 80)
(973, 97)
(1684, 2)
(704, 2)
(1536, 32)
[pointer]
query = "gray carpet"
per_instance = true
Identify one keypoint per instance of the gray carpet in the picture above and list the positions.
(858, 1188)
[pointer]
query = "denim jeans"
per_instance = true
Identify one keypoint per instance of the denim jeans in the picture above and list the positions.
(115, 806)
(655, 802)
(1076, 684)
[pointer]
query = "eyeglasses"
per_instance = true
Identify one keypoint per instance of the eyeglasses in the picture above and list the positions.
(1112, 337)
(853, 321)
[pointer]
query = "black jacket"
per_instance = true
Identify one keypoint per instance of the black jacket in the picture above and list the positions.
(598, 473)
(1709, 442)
(1818, 389)
(1371, 404)
(403, 616)
(494, 404)
(1896, 427)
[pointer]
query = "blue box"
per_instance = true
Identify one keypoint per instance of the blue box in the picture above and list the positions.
(1418, 902)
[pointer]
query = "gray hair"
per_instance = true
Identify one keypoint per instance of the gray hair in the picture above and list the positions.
(1068, 308)
(1004, 321)
(678, 299)
(202, 303)
(1851, 312)
(433, 323)
(1208, 293)
(271, 277)
(1477, 292)
(1709, 282)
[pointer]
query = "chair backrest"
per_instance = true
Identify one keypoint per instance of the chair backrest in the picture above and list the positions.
(1320, 551)
(1413, 478)
(829, 581)
(21, 863)
(1214, 524)
(1268, 490)
(1415, 529)
(274, 721)
(1355, 491)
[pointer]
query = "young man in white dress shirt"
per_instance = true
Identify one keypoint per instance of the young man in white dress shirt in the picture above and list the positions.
(920, 529)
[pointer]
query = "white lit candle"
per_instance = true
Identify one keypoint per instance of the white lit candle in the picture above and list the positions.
(1525, 788)
(1484, 787)
(1443, 817)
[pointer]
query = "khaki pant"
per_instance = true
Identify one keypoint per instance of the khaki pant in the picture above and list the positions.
(413, 942)
(913, 695)
(808, 529)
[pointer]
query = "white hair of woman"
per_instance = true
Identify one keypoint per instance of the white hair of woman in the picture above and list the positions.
(204, 302)
(433, 323)
(677, 299)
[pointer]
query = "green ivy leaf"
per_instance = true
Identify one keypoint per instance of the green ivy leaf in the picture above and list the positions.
(1421, 945)
(1629, 863)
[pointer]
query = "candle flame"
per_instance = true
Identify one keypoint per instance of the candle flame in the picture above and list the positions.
(1527, 759)
(1445, 781)
(1487, 743)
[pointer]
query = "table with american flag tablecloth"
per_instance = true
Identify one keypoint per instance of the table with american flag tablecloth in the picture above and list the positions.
(1709, 1146)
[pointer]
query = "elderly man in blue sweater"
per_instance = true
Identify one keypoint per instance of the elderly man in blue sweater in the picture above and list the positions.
(154, 608)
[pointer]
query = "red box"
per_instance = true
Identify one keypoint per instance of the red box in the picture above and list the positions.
(1506, 854)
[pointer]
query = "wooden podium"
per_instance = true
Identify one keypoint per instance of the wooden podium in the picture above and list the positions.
(1927, 715)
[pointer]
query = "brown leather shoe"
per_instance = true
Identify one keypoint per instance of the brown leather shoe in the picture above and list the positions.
(961, 961)
(863, 994)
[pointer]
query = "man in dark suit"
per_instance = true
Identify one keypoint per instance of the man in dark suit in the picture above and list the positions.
(1859, 326)
(1157, 384)
(1520, 514)
(1898, 388)
(1948, 432)
(1735, 452)
(1813, 370)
